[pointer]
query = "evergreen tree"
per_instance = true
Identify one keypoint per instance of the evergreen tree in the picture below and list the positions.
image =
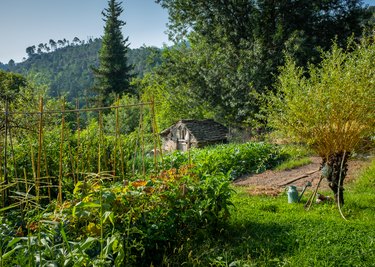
(113, 74)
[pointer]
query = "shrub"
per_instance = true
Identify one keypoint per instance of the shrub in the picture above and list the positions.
(232, 159)
(132, 224)
(328, 106)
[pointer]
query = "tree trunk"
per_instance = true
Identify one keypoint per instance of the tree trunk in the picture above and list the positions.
(336, 167)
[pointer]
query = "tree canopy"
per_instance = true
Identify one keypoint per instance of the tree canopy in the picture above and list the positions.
(235, 48)
(66, 76)
(10, 84)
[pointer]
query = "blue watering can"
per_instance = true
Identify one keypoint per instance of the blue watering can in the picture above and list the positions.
(293, 193)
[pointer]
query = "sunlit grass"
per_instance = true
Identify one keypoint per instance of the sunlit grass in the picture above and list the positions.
(267, 231)
(293, 163)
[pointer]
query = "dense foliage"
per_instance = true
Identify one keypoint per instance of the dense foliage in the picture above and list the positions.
(236, 47)
(10, 85)
(64, 75)
(116, 225)
(136, 221)
(331, 107)
(233, 160)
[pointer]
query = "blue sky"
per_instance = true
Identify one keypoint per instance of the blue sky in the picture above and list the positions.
(30, 22)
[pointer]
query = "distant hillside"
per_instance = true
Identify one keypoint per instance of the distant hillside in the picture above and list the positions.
(67, 69)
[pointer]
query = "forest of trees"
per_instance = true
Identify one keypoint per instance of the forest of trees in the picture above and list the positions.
(237, 47)
(58, 66)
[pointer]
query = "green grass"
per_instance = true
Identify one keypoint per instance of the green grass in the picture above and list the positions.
(267, 231)
(295, 155)
(293, 163)
(367, 181)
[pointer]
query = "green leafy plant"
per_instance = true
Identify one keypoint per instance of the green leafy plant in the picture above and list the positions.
(232, 159)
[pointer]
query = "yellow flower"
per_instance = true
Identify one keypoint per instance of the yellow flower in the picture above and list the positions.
(93, 229)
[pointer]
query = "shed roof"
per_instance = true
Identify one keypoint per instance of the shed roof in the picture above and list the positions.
(203, 130)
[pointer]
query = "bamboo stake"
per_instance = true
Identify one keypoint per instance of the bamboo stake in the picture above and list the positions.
(71, 161)
(116, 136)
(155, 130)
(311, 198)
(26, 185)
(88, 144)
(123, 168)
(61, 152)
(100, 141)
(103, 141)
(158, 142)
(78, 158)
(40, 139)
(5, 190)
(13, 157)
(135, 156)
(152, 106)
(32, 160)
(48, 177)
(142, 141)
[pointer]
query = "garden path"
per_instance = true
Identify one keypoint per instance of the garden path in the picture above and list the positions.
(273, 182)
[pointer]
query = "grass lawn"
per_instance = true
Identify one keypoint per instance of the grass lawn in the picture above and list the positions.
(267, 231)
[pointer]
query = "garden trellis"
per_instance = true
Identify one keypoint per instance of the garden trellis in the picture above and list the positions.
(60, 147)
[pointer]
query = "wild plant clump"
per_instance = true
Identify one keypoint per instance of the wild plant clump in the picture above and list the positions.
(330, 106)
(232, 159)
(116, 224)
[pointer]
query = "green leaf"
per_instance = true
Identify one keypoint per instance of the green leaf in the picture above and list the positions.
(109, 215)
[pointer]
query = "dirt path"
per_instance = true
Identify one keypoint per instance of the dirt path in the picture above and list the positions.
(274, 182)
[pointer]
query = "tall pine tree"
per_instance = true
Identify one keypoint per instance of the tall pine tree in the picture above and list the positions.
(113, 74)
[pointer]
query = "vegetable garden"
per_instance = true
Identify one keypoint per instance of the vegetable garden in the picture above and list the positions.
(79, 191)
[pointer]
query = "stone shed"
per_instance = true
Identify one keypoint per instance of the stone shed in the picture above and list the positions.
(193, 133)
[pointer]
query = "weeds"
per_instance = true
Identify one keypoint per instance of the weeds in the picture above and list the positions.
(293, 163)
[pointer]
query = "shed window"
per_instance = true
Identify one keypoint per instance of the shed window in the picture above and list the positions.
(182, 133)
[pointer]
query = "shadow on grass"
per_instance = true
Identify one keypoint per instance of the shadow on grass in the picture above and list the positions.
(257, 240)
(264, 244)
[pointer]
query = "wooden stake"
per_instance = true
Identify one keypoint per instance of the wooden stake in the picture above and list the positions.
(71, 161)
(116, 136)
(142, 140)
(157, 143)
(100, 140)
(6, 190)
(61, 152)
(78, 156)
(40, 139)
(154, 131)
(32, 161)
(13, 157)
(47, 174)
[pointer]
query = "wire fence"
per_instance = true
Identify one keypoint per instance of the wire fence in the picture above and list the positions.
(45, 150)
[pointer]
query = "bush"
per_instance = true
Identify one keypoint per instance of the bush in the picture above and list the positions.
(232, 159)
(133, 224)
